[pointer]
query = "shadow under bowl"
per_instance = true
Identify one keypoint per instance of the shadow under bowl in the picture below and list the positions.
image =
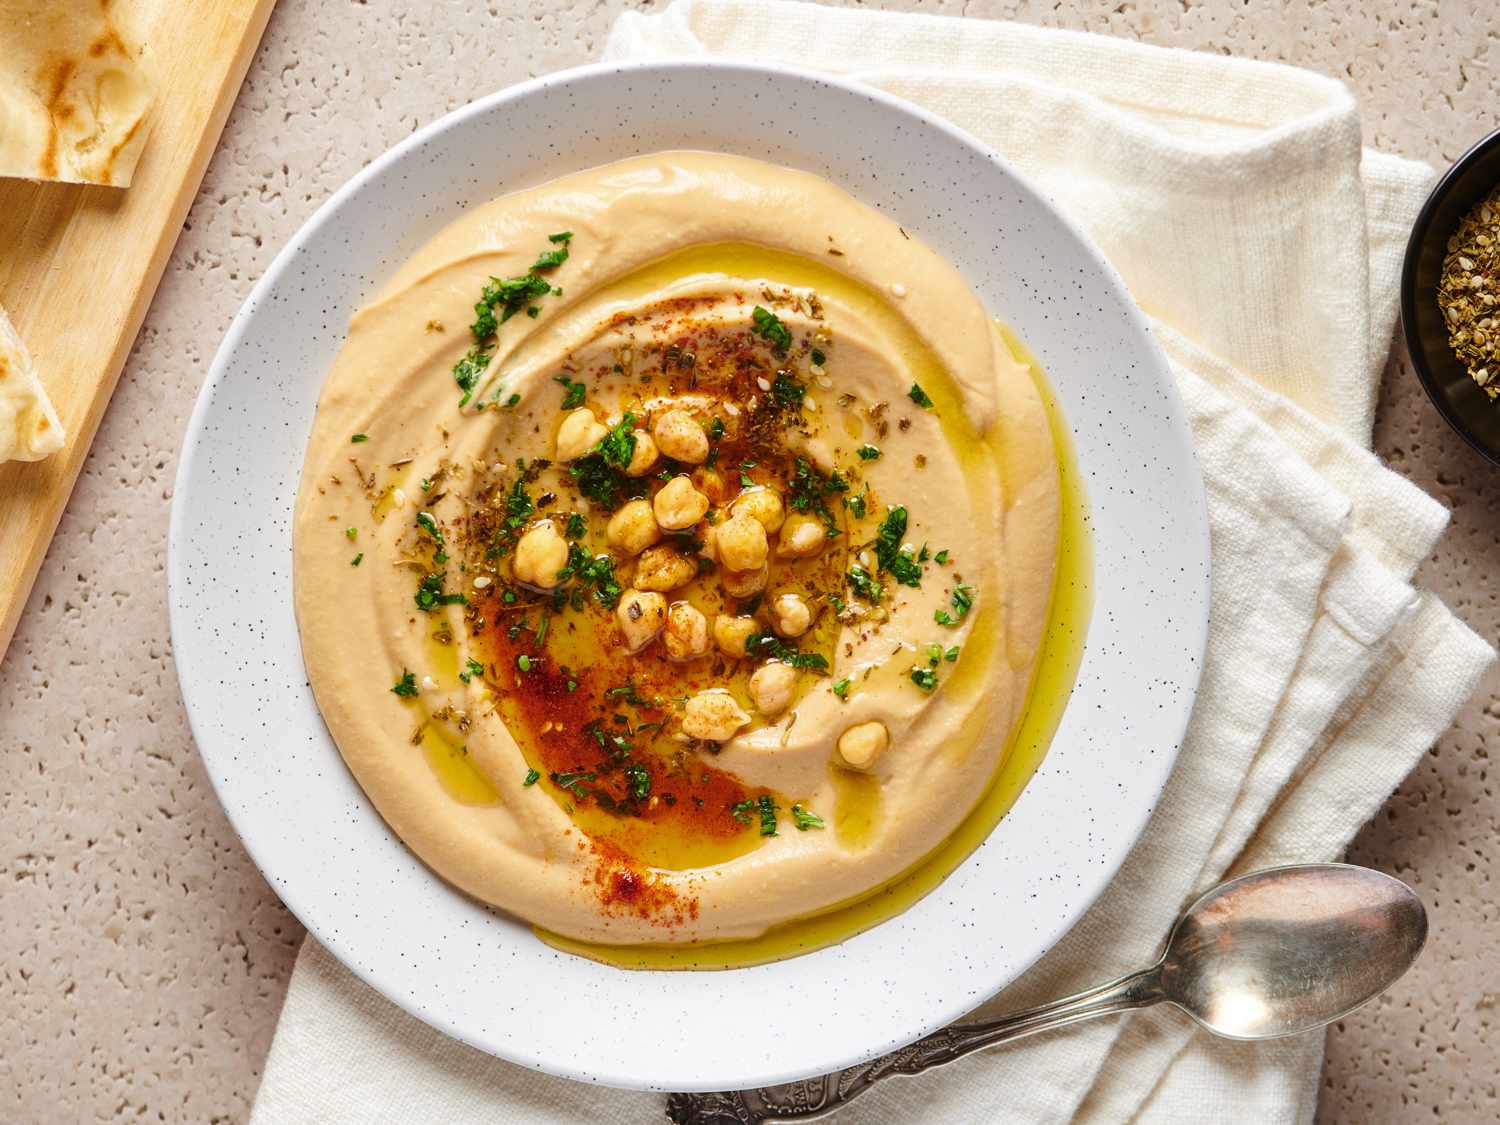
(1457, 397)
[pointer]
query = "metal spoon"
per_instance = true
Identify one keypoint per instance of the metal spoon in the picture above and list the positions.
(1276, 952)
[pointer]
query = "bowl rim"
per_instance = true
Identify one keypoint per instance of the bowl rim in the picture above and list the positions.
(1415, 241)
(1194, 632)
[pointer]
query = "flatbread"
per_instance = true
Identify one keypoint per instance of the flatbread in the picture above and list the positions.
(73, 97)
(29, 429)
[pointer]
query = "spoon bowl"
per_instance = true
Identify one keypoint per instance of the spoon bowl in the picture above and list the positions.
(1290, 949)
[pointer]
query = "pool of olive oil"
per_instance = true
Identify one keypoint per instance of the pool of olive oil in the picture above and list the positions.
(858, 796)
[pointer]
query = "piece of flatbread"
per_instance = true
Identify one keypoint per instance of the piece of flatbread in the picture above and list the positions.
(29, 429)
(73, 97)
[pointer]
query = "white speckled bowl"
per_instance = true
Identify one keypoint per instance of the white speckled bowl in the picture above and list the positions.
(482, 976)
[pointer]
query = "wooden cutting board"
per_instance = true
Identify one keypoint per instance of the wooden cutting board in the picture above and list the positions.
(79, 264)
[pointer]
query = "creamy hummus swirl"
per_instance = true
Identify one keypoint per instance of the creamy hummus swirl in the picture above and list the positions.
(468, 558)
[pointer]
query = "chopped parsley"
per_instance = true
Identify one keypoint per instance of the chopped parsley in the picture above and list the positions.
(857, 504)
(599, 474)
(841, 688)
(864, 583)
(808, 491)
(774, 648)
(919, 396)
(767, 808)
(868, 453)
(573, 393)
(716, 429)
(806, 818)
(638, 780)
(786, 391)
(597, 571)
(818, 357)
(523, 662)
(357, 559)
(472, 668)
(406, 686)
(499, 300)
(892, 557)
(941, 556)
(550, 259)
(430, 594)
(532, 777)
(357, 438)
(572, 781)
(742, 811)
(618, 446)
(510, 296)
(350, 532)
(963, 601)
(629, 693)
(575, 527)
(925, 677)
(561, 236)
(466, 372)
(768, 327)
(429, 525)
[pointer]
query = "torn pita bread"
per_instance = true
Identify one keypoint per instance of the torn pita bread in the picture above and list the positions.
(29, 429)
(73, 97)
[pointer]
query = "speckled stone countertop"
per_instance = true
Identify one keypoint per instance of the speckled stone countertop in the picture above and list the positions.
(142, 958)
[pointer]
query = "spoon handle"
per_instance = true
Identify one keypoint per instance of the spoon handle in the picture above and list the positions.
(813, 1097)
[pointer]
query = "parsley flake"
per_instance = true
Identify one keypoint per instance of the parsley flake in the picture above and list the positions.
(806, 818)
(768, 327)
(406, 686)
(919, 396)
(573, 393)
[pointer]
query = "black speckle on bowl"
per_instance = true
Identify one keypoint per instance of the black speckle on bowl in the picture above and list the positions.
(1455, 394)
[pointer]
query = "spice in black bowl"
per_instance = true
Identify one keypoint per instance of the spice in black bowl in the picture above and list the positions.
(1469, 293)
(1452, 348)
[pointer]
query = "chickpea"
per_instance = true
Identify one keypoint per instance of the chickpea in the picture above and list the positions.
(663, 568)
(633, 528)
(764, 504)
(771, 688)
(540, 554)
(744, 583)
(580, 432)
(641, 617)
(679, 505)
(644, 458)
(712, 715)
(862, 743)
(681, 438)
(741, 542)
(731, 633)
(802, 536)
(790, 616)
(687, 632)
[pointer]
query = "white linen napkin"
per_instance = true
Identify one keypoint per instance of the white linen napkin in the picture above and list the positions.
(1236, 202)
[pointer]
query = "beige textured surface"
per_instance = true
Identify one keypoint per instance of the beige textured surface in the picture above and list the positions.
(143, 959)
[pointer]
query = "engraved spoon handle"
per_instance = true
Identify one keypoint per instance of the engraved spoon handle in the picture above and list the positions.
(813, 1097)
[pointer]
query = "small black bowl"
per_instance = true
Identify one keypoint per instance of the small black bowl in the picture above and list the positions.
(1455, 394)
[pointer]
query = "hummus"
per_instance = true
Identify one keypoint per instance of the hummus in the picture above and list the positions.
(673, 549)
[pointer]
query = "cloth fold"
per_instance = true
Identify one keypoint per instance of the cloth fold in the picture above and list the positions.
(1236, 202)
